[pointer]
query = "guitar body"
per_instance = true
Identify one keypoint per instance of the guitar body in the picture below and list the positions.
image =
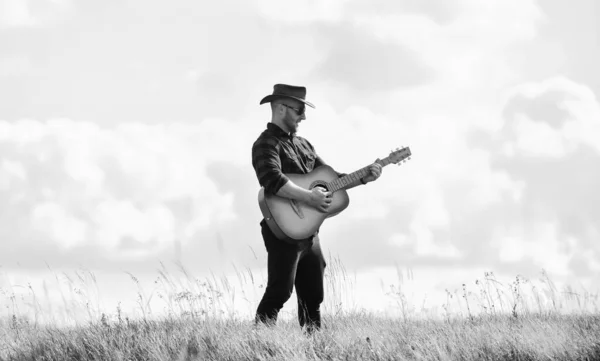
(293, 220)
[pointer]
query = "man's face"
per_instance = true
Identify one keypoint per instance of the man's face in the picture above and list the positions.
(291, 119)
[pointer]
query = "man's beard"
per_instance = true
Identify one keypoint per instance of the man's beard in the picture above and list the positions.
(293, 124)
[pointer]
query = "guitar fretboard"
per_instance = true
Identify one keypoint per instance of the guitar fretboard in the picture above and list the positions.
(354, 177)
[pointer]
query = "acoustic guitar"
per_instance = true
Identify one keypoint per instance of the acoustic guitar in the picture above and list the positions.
(293, 220)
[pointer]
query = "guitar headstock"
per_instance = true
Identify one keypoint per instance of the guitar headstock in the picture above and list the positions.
(399, 155)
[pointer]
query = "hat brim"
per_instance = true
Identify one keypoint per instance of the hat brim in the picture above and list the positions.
(270, 98)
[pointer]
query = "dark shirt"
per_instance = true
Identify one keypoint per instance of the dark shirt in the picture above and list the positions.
(276, 152)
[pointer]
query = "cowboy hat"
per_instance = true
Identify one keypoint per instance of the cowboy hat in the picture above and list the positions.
(287, 91)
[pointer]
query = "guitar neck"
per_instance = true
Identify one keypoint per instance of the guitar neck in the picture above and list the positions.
(349, 179)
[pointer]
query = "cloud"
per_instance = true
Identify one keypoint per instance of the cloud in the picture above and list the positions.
(501, 196)
(344, 55)
(576, 104)
(554, 158)
(129, 191)
(102, 67)
(418, 213)
(32, 13)
(366, 64)
(440, 11)
(304, 12)
(15, 13)
(15, 66)
(565, 42)
(471, 51)
(53, 220)
(158, 161)
(546, 106)
(542, 246)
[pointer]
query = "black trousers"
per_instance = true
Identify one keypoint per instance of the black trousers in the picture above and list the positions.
(301, 265)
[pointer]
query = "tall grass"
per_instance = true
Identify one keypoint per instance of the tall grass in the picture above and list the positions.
(197, 320)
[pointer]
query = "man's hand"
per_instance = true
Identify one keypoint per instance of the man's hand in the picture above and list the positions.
(375, 172)
(320, 199)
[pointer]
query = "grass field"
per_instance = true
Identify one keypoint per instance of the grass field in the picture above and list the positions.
(346, 337)
(492, 321)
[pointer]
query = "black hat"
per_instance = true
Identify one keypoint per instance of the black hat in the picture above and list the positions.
(287, 91)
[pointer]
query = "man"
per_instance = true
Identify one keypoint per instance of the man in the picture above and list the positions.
(278, 151)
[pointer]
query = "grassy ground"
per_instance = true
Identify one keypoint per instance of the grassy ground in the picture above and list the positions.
(354, 336)
(491, 320)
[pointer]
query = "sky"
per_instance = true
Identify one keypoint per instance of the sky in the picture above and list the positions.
(126, 129)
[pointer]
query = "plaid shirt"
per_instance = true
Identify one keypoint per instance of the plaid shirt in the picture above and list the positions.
(275, 152)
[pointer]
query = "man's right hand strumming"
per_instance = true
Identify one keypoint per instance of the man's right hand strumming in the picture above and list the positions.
(320, 199)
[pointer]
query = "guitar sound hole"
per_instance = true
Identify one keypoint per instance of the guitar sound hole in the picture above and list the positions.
(320, 185)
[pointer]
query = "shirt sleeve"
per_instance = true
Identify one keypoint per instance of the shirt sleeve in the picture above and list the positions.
(267, 164)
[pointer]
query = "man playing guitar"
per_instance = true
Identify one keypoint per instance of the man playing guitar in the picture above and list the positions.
(279, 151)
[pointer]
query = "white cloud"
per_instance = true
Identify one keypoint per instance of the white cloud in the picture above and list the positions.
(500, 20)
(11, 172)
(546, 144)
(582, 125)
(490, 186)
(425, 244)
(132, 188)
(430, 215)
(362, 139)
(12, 168)
(468, 52)
(367, 207)
(593, 262)
(302, 12)
(108, 184)
(15, 13)
(541, 242)
(120, 220)
(539, 138)
(58, 224)
(15, 65)
(28, 130)
(30, 13)
(431, 211)
(133, 170)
